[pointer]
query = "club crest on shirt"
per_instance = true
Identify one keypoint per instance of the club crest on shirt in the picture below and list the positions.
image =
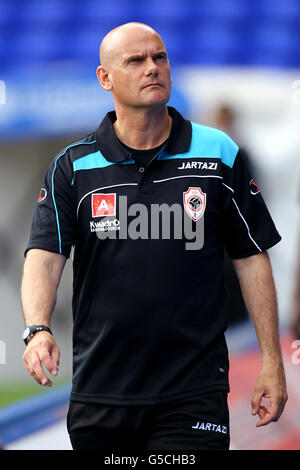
(194, 201)
(103, 205)
(42, 195)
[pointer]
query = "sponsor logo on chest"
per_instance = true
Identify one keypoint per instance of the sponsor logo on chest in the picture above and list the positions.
(103, 204)
(198, 166)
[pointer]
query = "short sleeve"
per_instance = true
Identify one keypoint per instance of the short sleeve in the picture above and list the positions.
(247, 225)
(53, 226)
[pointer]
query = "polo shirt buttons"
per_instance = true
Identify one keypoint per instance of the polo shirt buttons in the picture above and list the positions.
(141, 169)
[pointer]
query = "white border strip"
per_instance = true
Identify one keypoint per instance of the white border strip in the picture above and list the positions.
(246, 225)
(228, 187)
(188, 176)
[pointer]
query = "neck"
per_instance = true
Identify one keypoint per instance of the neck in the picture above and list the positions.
(142, 129)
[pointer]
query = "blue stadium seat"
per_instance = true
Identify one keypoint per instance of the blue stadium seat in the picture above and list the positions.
(43, 12)
(37, 46)
(275, 45)
(165, 10)
(5, 55)
(274, 37)
(216, 9)
(6, 13)
(111, 11)
(84, 47)
(217, 44)
(287, 9)
(273, 58)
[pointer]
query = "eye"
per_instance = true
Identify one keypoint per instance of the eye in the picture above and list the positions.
(134, 60)
(161, 57)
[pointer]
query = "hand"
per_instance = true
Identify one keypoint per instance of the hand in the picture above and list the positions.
(270, 384)
(42, 349)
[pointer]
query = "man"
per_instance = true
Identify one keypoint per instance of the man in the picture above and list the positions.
(150, 367)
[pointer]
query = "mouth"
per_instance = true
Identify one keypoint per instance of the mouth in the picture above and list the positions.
(153, 85)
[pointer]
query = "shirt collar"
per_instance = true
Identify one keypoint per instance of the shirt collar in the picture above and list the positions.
(179, 140)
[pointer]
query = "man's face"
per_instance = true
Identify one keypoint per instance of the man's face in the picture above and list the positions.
(139, 71)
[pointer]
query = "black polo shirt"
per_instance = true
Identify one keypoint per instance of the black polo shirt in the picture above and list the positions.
(148, 301)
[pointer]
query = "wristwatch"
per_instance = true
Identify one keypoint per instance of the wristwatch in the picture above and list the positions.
(30, 331)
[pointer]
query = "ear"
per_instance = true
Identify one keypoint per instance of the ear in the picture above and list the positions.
(104, 78)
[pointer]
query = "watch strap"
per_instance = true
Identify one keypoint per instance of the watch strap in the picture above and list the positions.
(33, 329)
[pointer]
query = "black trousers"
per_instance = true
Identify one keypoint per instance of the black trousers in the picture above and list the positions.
(200, 422)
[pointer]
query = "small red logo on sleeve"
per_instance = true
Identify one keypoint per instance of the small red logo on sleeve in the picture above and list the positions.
(253, 187)
(103, 205)
(42, 195)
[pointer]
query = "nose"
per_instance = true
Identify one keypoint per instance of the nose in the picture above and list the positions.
(151, 67)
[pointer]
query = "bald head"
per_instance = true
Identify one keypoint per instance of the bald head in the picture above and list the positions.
(133, 57)
(117, 39)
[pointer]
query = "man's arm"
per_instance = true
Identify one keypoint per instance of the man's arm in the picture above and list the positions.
(258, 289)
(41, 276)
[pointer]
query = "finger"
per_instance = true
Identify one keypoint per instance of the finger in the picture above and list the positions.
(269, 415)
(280, 408)
(264, 416)
(262, 412)
(31, 372)
(55, 356)
(48, 363)
(255, 402)
(38, 371)
(37, 378)
(265, 420)
(43, 382)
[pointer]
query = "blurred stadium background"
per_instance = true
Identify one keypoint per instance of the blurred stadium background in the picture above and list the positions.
(239, 55)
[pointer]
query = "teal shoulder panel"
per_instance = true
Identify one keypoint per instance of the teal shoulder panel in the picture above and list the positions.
(94, 160)
(213, 143)
(208, 142)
